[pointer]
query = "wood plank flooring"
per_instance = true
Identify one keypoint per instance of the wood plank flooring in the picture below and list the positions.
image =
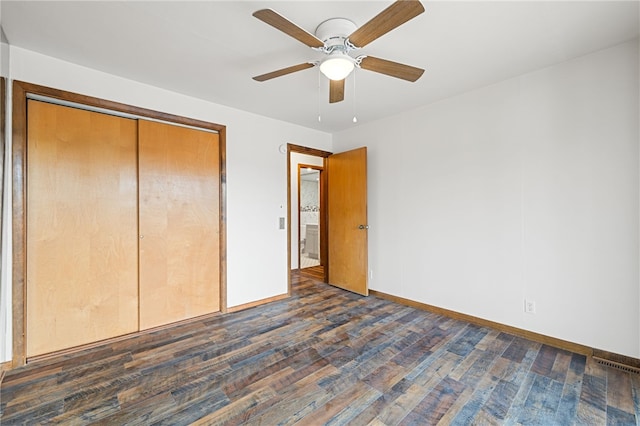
(323, 356)
(313, 272)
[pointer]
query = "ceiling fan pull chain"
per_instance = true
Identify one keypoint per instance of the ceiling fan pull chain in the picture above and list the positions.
(355, 119)
(319, 103)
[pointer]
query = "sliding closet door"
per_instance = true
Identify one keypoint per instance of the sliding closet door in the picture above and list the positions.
(179, 223)
(82, 283)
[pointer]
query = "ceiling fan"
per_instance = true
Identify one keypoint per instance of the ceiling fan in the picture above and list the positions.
(336, 37)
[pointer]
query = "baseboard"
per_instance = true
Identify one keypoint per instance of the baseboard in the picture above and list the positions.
(4, 367)
(536, 337)
(614, 358)
(622, 362)
(256, 303)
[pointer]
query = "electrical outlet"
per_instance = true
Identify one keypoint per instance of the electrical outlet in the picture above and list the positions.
(281, 223)
(529, 306)
(370, 274)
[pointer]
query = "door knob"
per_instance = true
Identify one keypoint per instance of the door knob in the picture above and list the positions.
(363, 227)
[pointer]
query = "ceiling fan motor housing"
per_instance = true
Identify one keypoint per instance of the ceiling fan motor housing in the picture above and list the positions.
(333, 32)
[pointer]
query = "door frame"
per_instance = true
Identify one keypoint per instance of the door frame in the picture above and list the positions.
(22, 90)
(292, 148)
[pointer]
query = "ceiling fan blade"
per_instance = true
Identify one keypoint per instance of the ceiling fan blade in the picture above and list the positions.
(283, 71)
(394, 69)
(392, 17)
(273, 18)
(336, 91)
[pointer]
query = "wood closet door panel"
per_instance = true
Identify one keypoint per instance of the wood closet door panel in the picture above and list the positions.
(82, 269)
(179, 223)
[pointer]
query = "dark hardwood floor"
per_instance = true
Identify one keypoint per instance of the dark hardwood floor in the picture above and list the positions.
(313, 272)
(323, 356)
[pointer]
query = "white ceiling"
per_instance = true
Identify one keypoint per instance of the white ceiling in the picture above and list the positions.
(211, 49)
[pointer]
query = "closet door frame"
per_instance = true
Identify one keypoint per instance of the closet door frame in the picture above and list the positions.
(20, 92)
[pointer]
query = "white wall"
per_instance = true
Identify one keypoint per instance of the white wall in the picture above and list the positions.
(4, 55)
(296, 159)
(256, 170)
(525, 189)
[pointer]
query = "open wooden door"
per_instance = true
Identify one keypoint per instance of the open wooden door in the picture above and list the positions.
(347, 220)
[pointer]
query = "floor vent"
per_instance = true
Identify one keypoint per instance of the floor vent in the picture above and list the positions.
(619, 366)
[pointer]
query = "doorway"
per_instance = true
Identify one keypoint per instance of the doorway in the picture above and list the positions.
(342, 220)
(310, 217)
(315, 159)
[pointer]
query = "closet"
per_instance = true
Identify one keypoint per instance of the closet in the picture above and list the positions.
(122, 225)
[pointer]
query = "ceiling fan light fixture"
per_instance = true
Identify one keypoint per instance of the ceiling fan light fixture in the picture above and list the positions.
(337, 66)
